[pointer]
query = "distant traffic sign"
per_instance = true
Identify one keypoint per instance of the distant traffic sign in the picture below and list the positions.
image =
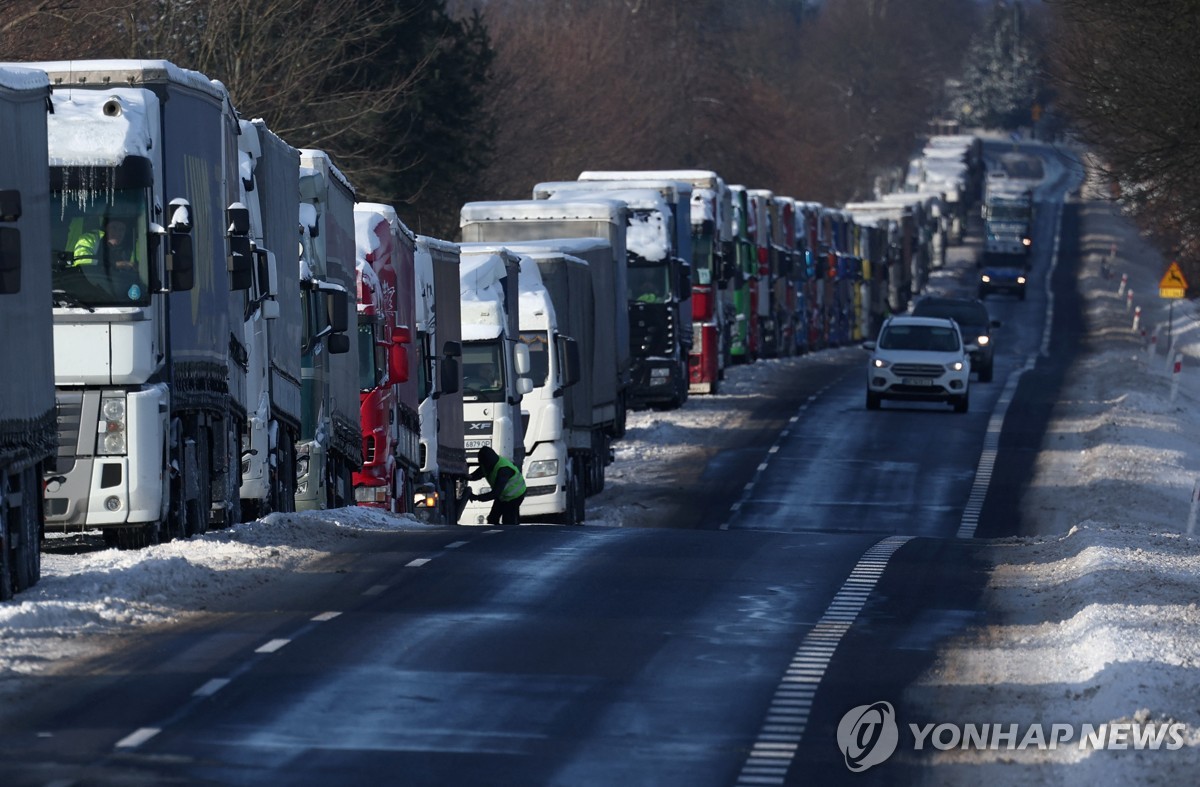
(1173, 284)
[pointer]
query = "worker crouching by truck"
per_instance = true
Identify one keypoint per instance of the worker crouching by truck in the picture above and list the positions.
(506, 487)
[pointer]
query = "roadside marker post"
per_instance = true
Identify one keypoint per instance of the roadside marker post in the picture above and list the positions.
(1191, 529)
(1124, 284)
(1178, 367)
(1137, 316)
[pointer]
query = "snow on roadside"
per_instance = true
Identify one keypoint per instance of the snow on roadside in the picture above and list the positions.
(1094, 616)
(84, 601)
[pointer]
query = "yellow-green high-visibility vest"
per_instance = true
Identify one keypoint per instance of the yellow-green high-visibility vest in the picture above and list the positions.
(515, 486)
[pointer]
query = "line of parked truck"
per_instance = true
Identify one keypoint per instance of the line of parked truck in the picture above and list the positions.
(266, 343)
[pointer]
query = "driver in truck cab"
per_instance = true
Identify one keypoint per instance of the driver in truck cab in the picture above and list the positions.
(115, 248)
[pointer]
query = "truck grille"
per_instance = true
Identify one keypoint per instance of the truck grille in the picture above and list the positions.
(70, 411)
(918, 370)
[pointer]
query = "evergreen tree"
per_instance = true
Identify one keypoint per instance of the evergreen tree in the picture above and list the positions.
(1000, 81)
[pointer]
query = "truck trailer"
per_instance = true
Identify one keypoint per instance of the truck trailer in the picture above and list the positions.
(330, 447)
(149, 289)
(388, 395)
(272, 322)
(495, 362)
(442, 477)
(27, 411)
(519, 221)
(713, 269)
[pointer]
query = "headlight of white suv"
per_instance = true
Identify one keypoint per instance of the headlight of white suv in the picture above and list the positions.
(879, 363)
(955, 366)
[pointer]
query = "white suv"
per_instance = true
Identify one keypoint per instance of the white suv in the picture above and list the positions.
(919, 358)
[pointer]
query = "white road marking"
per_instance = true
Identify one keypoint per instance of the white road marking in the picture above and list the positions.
(324, 616)
(211, 688)
(457, 544)
(375, 590)
(137, 737)
(272, 646)
(418, 562)
(787, 715)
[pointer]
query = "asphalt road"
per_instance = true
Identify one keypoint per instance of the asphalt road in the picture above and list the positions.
(674, 654)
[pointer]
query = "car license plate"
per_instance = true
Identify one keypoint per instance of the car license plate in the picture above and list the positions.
(917, 381)
(468, 444)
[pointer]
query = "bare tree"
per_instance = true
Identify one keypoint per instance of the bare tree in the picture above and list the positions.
(807, 101)
(1130, 81)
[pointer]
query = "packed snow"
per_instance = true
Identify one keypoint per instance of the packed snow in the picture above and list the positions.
(1093, 614)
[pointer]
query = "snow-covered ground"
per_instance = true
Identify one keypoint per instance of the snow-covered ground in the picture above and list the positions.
(1093, 613)
(1093, 616)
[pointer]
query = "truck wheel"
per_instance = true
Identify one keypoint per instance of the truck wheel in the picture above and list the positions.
(285, 473)
(7, 526)
(176, 470)
(27, 557)
(577, 494)
(197, 510)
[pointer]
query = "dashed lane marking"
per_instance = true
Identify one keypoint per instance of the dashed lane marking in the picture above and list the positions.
(137, 737)
(787, 716)
(211, 688)
(272, 646)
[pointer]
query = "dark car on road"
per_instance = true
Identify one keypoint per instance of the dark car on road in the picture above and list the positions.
(1008, 278)
(974, 322)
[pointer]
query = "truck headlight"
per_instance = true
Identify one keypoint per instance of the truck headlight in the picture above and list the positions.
(425, 497)
(542, 468)
(111, 438)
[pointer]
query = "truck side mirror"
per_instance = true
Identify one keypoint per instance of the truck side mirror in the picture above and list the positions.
(338, 343)
(450, 378)
(685, 280)
(266, 289)
(10, 205)
(241, 251)
(452, 349)
(569, 352)
(180, 257)
(397, 363)
(524, 385)
(181, 262)
(338, 304)
(10, 261)
(521, 358)
(240, 263)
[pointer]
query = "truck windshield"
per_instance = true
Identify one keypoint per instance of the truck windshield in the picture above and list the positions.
(1008, 213)
(649, 283)
(371, 356)
(98, 246)
(539, 356)
(702, 257)
(483, 371)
